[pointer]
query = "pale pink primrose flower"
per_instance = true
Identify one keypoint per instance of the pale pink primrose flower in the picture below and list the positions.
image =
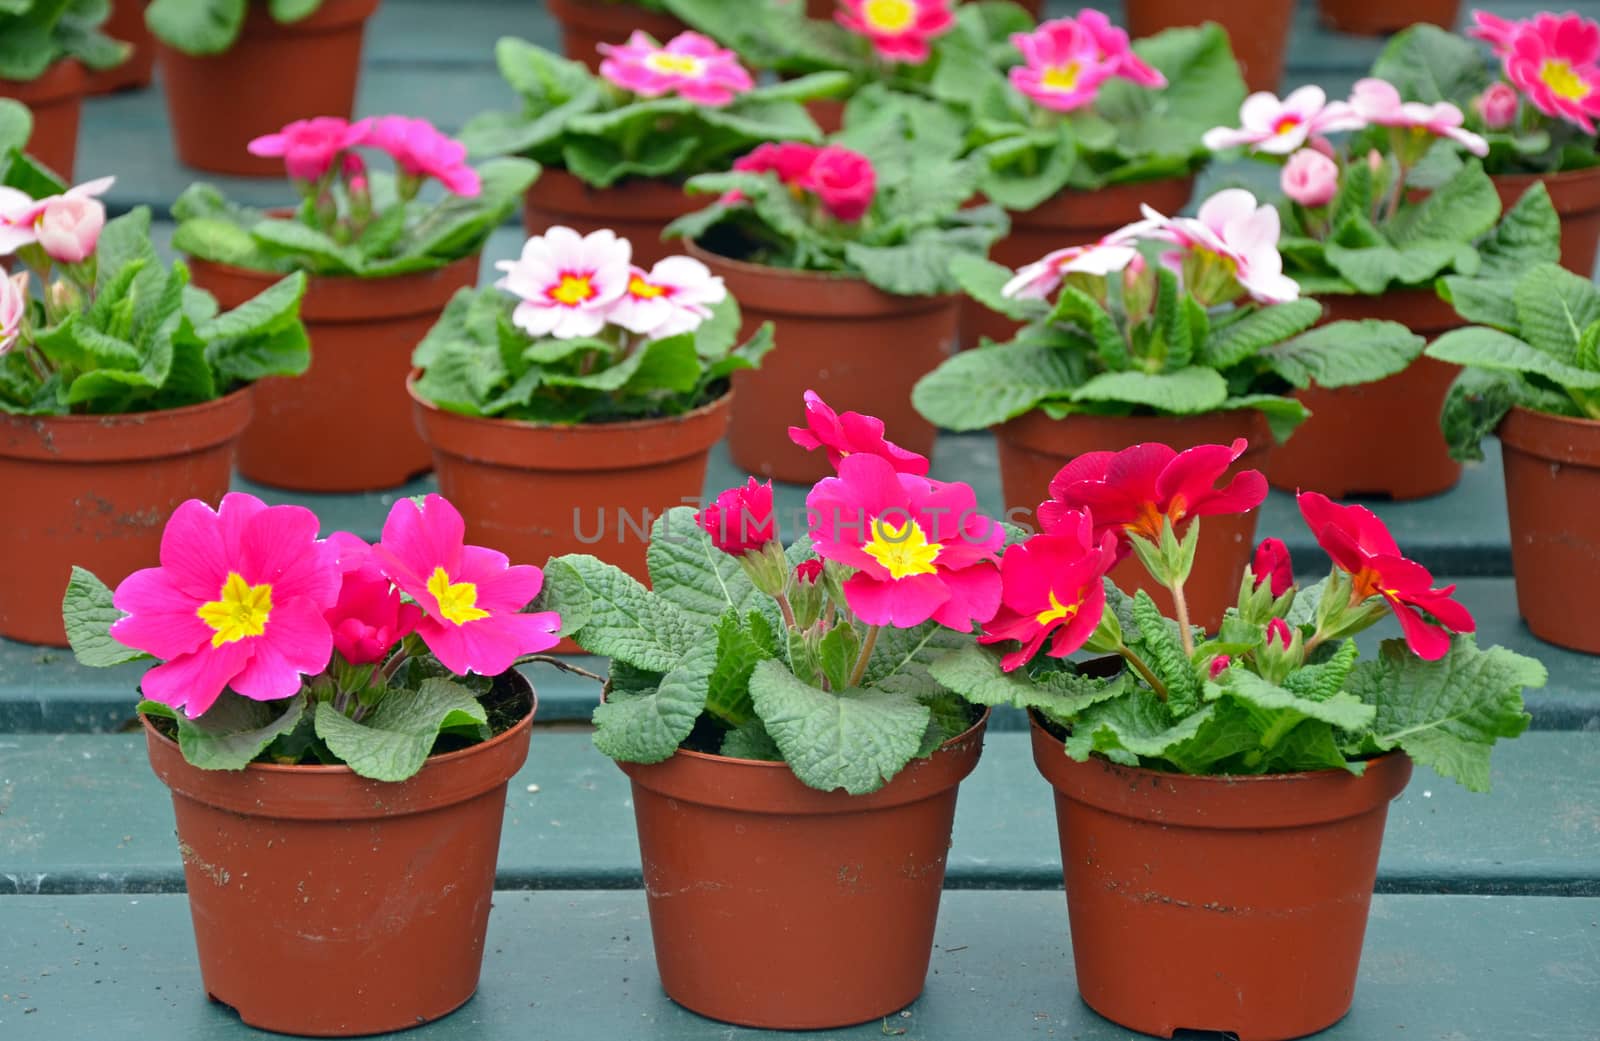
(309, 147)
(1497, 106)
(1378, 103)
(422, 151)
(690, 65)
(673, 297)
(69, 228)
(567, 283)
(899, 30)
(13, 309)
(20, 213)
(1310, 178)
(1230, 226)
(1063, 65)
(1040, 279)
(1555, 61)
(1276, 127)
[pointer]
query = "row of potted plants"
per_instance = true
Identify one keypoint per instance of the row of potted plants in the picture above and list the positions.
(783, 711)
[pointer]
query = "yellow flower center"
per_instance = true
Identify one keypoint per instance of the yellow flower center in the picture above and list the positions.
(903, 550)
(1285, 125)
(1057, 611)
(1563, 80)
(1062, 77)
(572, 290)
(240, 610)
(676, 64)
(458, 601)
(642, 290)
(889, 16)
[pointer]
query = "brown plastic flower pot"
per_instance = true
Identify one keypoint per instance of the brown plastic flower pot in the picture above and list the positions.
(636, 210)
(1257, 29)
(1376, 17)
(1071, 218)
(344, 425)
(1378, 439)
(534, 490)
(126, 23)
(777, 906)
(1246, 896)
(585, 24)
(329, 905)
(1552, 467)
(1576, 197)
(1034, 447)
(274, 73)
(56, 101)
(96, 491)
(858, 347)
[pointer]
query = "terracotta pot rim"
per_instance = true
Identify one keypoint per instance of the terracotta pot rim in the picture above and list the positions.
(1586, 173)
(62, 80)
(1064, 209)
(735, 761)
(785, 274)
(564, 178)
(74, 430)
(388, 281)
(109, 419)
(635, 425)
(340, 770)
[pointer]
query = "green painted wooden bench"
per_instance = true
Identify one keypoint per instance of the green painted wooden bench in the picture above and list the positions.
(1486, 926)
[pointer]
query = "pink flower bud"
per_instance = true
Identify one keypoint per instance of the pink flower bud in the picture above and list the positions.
(1278, 633)
(844, 181)
(13, 308)
(1219, 665)
(1271, 564)
(1375, 161)
(808, 572)
(1497, 106)
(70, 227)
(1310, 178)
(741, 520)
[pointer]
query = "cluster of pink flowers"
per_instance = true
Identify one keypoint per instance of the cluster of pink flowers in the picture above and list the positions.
(689, 65)
(1229, 248)
(572, 285)
(1066, 60)
(313, 149)
(899, 30)
(843, 181)
(1552, 60)
(65, 228)
(248, 598)
(1297, 126)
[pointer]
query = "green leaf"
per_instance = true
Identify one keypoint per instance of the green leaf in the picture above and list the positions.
(306, 247)
(750, 740)
(1447, 714)
(1283, 415)
(837, 653)
(982, 279)
(1430, 64)
(854, 739)
(261, 337)
(1371, 269)
(1528, 234)
(665, 365)
(975, 674)
(1341, 354)
(394, 739)
(692, 574)
(89, 613)
(1476, 403)
(1185, 391)
(1464, 208)
(1166, 655)
(1486, 301)
(1342, 710)
(1496, 351)
(741, 645)
(196, 27)
(980, 388)
(1553, 308)
(648, 727)
(16, 125)
(1128, 729)
(235, 730)
(616, 616)
(1230, 344)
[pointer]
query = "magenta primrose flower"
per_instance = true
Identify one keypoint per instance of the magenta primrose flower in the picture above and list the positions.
(1555, 61)
(690, 65)
(309, 147)
(419, 150)
(899, 30)
(238, 601)
(1271, 564)
(1052, 588)
(741, 520)
(920, 547)
(851, 433)
(1066, 60)
(471, 595)
(369, 617)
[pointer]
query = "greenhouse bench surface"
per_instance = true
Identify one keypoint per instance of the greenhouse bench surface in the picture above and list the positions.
(1486, 926)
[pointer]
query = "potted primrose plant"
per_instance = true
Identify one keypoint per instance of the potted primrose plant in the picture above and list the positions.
(51, 47)
(1368, 229)
(227, 68)
(618, 144)
(383, 261)
(328, 715)
(1087, 129)
(1264, 749)
(846, 249)
(1538, 115)
(1533, 378)
(118, 377)
(776, 717)
(1206, 346)
(583, 398)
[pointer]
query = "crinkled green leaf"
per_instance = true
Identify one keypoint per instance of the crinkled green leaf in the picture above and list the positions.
(742, 643)
(1554, 306)
(692, 574)
(975, 674)
(395, 738)
(612, 614)
(1496, 351)
(1243, 338)
(647, 727)
(89, 613)
(1182, 392)
(1341, 354)
(980, 388)
(235, 730)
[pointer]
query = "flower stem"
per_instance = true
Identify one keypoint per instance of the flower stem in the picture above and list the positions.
(564, 666)
(788, 611)
(1144, 670)
(1182, 607)
(392, 666)
(866, 655)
